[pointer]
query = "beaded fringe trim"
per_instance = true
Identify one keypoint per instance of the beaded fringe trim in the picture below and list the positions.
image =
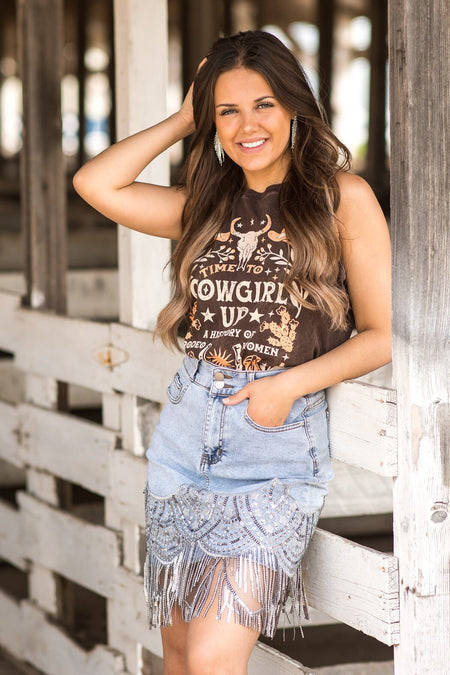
(205, 548)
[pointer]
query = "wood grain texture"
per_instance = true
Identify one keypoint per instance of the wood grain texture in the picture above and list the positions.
(43, 185)
(85, 553)
(354, 584)
(51, 650)
(420, 140)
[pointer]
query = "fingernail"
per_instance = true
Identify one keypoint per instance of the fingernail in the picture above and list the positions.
(226, 400)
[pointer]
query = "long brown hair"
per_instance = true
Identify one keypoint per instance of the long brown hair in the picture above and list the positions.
(309, 194)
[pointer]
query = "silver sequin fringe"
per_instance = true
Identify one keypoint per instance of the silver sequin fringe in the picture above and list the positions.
(207, 549)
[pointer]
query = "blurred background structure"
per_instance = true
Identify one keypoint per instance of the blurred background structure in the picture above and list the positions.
(79, 391)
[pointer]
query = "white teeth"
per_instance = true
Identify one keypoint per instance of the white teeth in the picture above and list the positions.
(254, 144)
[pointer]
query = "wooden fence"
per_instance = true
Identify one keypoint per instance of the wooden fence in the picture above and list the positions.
(347, 581)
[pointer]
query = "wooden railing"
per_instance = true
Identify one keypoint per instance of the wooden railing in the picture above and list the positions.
(349, 582)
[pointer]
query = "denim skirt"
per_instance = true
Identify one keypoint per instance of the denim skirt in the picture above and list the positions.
(231, 505)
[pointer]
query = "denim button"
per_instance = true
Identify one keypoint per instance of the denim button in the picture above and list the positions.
(219, 376)
(220, 385)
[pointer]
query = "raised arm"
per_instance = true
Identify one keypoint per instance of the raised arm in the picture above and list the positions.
(108, 181)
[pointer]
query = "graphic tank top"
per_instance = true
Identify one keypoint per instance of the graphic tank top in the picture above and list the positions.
(241, 317)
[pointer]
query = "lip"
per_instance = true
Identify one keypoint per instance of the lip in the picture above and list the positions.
(262, 142)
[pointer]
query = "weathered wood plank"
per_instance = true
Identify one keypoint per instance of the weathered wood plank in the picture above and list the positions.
(76, 450)
(71, 350)
(49, 648)
(354, 584)
(85, 553)
(11, 540)
(357, 492)
(149, 366)
(9, 303)
(12, 635)
(419, 78)
(10, 434)
(369, 668)
(363, 426)
(128, 474)
(91, 294)
(114, 356)
(141, 41)
(43, 189)
(266, 660)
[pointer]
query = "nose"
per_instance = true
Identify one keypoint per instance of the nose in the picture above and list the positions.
(248, 120)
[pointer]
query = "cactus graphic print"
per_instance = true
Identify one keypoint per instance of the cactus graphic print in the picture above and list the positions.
(241, 315)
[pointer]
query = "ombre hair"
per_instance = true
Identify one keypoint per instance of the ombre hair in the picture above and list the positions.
(309, 194)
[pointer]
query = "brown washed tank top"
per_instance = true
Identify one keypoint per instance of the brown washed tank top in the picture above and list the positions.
(241, 316)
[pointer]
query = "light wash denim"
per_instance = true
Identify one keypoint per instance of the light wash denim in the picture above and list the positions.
(200, 440)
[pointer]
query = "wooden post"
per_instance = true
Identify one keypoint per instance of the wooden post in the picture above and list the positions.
(325, 19)
(43, 187)
(376, 172)
(141, 41)
(420, 138)
(43, 204)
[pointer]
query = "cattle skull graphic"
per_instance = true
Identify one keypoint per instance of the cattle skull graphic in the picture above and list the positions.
(248, 241)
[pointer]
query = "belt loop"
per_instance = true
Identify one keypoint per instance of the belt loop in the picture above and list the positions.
(197, 366)
(188, 362)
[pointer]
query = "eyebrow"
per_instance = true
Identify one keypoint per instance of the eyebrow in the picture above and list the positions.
(231, 105)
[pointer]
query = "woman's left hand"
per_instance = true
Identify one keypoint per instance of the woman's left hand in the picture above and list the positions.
(269, 404)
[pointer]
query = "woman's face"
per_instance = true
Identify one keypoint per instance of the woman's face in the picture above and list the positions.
(253, 126)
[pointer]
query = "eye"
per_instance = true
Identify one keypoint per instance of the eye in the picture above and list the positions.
(265, 104)
(227, 111)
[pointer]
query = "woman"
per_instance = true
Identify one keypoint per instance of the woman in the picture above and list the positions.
(281, 253)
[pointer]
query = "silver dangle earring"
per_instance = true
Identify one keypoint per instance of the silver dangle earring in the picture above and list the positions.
(218, 148)
(293, 131)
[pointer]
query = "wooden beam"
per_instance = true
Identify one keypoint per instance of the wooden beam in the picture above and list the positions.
(80, 551)
(353, 583)
(377, 173)
(419, 44)
(325, 20)
(43, 186)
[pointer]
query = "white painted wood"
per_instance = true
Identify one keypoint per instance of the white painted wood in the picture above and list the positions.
(42, 484)
(49, 649)
(11, 382)
(149, 367)
(85, 553)
(266, 660)
(44, 588)
(357, 492)
(74, 449)
(140, 42)
(128, 474)
(130, 615)
(363, 426)
(369, 668)
(10, 434)
(420, 138)
(9, 303)
(354, 584)
(12, 546)
(11, 475)
(12, 635)
(92, 293)
(63, 348)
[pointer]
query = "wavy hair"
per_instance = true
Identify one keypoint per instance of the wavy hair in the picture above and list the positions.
(309, 194)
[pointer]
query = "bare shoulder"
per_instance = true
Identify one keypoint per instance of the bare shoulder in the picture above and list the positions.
(358, 208)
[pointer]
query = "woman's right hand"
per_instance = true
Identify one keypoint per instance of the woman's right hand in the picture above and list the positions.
(186, 111)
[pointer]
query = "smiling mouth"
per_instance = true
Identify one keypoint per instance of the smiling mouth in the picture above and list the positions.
(253, 144)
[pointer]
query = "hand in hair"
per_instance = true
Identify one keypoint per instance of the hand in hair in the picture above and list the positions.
(186, 110)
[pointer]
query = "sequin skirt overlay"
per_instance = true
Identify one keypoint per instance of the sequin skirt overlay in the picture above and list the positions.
(229, 517)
